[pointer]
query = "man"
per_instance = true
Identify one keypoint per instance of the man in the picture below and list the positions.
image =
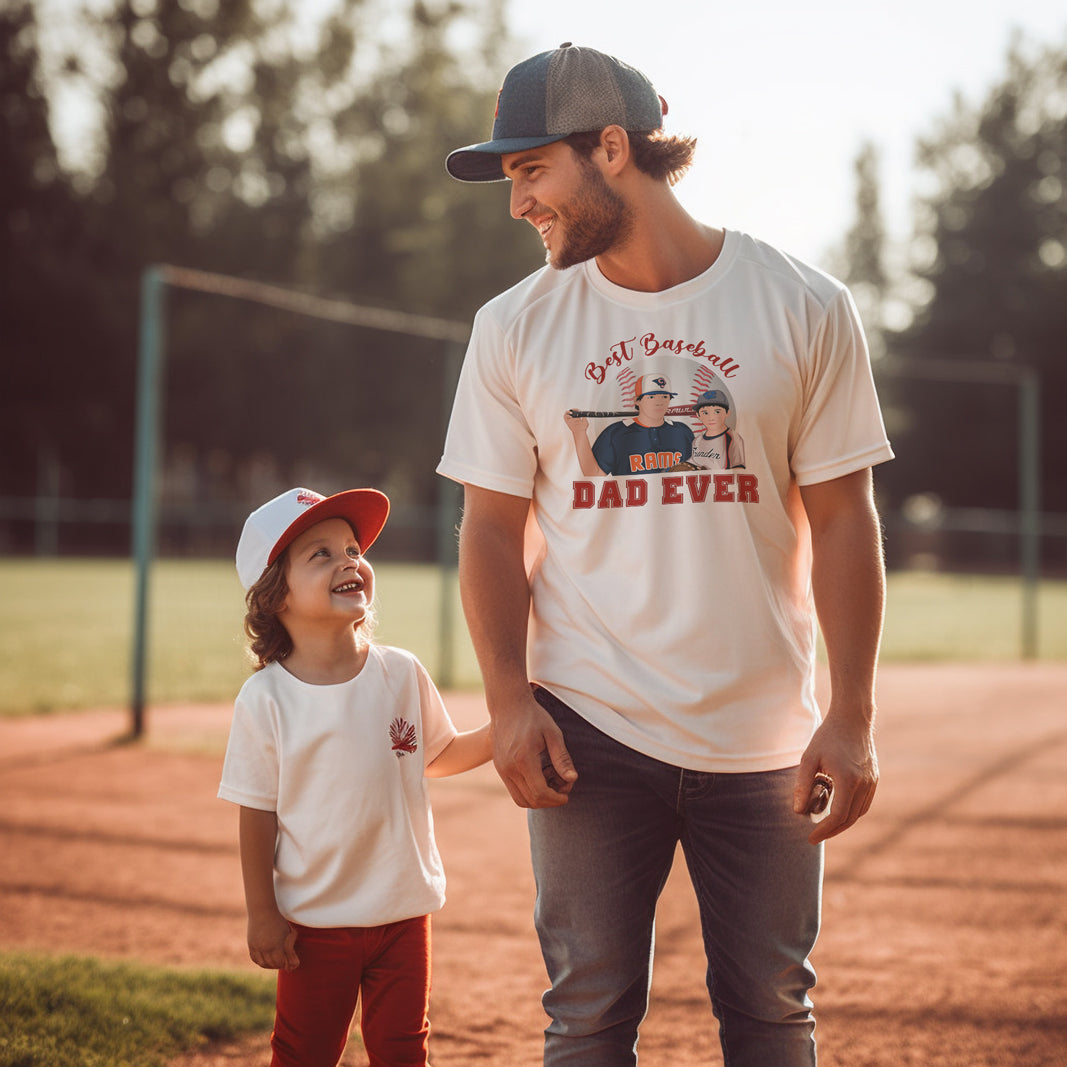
(622, 720)
(647, 442)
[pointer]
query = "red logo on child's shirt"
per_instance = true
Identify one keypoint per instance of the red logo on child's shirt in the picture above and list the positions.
(405, 739)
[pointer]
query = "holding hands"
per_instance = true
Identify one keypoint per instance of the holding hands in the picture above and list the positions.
(530, 756)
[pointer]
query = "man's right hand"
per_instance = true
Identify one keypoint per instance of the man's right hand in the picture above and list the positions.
(530, 755)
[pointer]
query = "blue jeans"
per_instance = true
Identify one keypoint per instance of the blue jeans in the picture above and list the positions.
(601, 861)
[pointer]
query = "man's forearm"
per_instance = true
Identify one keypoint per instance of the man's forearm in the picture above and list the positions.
(496, 596)
(850, 603)
(848, 582)
(528, 747)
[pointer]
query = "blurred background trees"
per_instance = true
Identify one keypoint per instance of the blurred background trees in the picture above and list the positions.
(977, 297)
(244, 137)
(862, 259)
(241, 137)
(989, 286)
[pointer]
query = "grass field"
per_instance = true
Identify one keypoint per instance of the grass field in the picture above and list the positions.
(65, 629)
(75, 1012)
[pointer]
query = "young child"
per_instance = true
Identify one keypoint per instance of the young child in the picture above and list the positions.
(330, 742)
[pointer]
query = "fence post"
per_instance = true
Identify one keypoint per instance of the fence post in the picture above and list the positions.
(1029, 503)
(149, 434)
(448, 509)
(1027, 380)
(47, 504)
(146, 449)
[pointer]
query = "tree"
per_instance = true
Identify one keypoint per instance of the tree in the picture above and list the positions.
(447, 245)
(233, 143)
(418, 239)
(38, 217)
(864, 251)
(995, 283)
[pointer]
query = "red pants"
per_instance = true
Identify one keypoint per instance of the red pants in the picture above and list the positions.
(388, 966)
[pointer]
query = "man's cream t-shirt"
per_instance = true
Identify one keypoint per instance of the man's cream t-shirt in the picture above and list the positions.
(673, 609)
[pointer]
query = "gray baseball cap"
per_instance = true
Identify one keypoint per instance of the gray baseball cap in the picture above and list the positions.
(712, 398)
(554, 94)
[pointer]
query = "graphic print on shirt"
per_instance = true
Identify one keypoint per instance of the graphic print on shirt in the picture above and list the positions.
(405, 739)
(716, 446)
(658, 427)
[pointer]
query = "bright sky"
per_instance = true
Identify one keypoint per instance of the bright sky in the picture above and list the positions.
(782, 94)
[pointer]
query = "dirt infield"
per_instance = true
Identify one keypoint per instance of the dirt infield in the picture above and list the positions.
(945, 920)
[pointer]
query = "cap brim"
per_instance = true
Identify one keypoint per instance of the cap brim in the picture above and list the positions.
(481, 162)
(365, 510)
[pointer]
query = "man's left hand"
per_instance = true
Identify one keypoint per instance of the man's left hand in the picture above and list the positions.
(844, 751)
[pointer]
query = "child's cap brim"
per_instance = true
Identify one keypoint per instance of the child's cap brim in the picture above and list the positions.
(365, 510)
(270, 529)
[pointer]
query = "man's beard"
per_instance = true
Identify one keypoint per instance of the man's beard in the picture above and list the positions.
(594, 220)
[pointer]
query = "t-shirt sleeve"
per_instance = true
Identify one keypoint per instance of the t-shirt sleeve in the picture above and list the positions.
(250, 769)
(841, 428)
(437, 726)
(489, 442)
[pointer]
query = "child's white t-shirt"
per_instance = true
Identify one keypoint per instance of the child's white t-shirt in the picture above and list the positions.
(673, 610)
(343, 768)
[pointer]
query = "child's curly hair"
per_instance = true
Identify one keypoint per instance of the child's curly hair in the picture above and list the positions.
(269, 640)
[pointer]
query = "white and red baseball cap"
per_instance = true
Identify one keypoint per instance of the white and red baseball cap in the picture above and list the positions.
(652, 383)
(271, 528)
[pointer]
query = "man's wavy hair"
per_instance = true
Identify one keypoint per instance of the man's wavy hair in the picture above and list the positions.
(269, 640)
(660, 155)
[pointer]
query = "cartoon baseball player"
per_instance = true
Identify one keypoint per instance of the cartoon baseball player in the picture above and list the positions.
(718, 447)
(647, 443)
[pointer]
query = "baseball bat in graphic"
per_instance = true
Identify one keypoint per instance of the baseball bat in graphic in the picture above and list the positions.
(631, 414)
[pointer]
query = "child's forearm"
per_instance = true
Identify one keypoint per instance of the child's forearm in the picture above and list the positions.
(258, 837)
(464, 752)
(271, 940)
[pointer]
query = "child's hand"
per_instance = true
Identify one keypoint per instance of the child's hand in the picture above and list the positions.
(272, 942)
